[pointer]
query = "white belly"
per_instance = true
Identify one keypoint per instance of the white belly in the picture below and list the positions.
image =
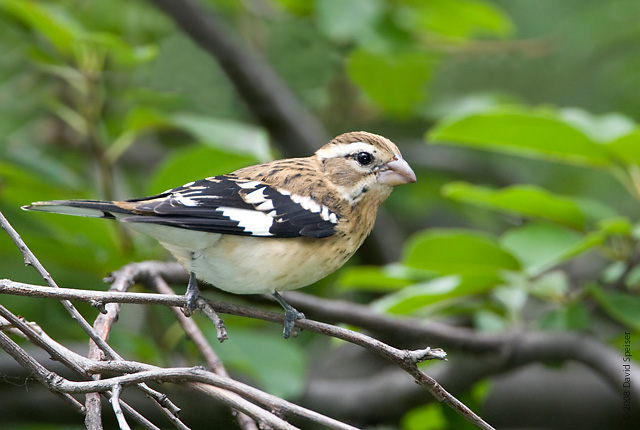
(249, 265)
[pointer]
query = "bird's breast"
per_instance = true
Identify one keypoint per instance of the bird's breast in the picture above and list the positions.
(251, 265)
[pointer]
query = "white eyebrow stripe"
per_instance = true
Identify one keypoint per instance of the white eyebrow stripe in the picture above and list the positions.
(344, 149)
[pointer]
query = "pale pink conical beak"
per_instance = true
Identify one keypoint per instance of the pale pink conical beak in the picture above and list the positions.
(398, 172)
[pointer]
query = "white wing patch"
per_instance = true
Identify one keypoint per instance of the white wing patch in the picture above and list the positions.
(248, 185)
(185, 200)
(265, 206)
(312, 206)
(253, 222)
(264, 203)
(256, 197)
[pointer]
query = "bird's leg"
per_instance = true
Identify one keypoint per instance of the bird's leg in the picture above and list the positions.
(192, 293)
(291, 314)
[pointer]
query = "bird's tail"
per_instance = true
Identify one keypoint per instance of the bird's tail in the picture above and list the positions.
(88, 208)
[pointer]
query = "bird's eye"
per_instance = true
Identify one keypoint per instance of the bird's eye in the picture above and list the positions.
(364, 158)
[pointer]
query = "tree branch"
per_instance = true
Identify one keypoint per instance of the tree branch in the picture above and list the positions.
(515, 348)
(407, 360)
(220, 384)
(270, 100)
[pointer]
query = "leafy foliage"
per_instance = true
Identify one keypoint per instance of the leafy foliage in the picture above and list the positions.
(526, 211)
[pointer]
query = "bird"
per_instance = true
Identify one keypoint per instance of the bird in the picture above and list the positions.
(266, 228)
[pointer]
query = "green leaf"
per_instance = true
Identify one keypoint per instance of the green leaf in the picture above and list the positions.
(302, 8)
(459, 19)
(120, 53)
(552, 286)
(540, 246)
(489, 321)
(336, 18)
(627, 147)
(227, 135)
(526, 200)
(428, 417)
(411, 299)
(622, 307)
(191, 164)
(52, 22)
(372, 278)
(573, 317)
(512, 297)
(139, 120)
(618, 225)
(524, 132)
(277, 364)
(457, 252)
(600, 128)
(394, 81)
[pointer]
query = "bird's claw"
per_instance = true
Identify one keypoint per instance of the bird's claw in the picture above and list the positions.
(191, 295)
(190, 306)
(290, 317)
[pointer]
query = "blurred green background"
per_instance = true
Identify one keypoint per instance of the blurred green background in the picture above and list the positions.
(519, 118)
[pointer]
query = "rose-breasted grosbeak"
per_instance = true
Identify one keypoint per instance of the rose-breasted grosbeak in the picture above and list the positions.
(266, 228)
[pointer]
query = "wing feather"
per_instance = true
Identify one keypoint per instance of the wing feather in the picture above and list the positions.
(231, 205)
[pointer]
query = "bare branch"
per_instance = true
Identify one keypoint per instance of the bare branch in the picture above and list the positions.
(30, 259)
(404, 359)
(117, 410)
(89, 366)
(395, 355)
(200, 341)
(38, 371)
(515, 348)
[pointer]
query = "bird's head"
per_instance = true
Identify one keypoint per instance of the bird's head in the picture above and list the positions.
(359, 162)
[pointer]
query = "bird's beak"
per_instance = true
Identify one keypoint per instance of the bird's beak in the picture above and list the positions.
(397, 172)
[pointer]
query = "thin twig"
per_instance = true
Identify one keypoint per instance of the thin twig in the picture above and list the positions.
(49, 379)
(405, 360)
(103, 324)
(200, 341)
(225, 384)
(394, 354)
(31, 260)
(117, 410)
(42, 374)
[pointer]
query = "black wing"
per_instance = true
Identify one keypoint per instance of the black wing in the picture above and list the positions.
(227, 204)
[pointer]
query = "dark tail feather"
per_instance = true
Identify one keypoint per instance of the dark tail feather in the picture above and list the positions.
(88, 208)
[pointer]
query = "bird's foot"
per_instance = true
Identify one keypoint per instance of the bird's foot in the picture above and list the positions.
(291, 314)
(290, 317)
(191, 295)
